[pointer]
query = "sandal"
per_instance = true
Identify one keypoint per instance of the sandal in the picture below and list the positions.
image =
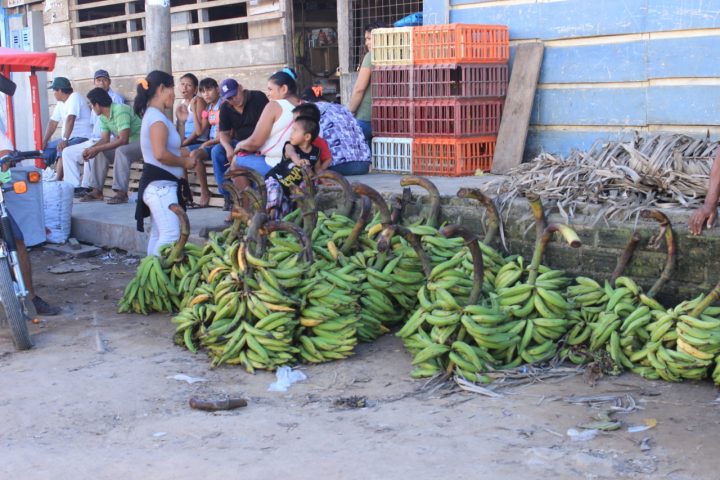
(117, 199)
(90, 197)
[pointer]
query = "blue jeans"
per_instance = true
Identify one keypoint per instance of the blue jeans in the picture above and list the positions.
(50, 153)
(355, 167)
(366, 128)
(219, 161)
(256, 162)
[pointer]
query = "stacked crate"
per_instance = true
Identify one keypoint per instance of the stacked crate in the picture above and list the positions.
(438, 93)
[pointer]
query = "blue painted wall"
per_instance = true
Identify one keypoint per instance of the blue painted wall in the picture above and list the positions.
(610, 67)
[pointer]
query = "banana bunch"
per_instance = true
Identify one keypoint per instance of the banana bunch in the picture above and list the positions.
(330, 312)
(150, 290)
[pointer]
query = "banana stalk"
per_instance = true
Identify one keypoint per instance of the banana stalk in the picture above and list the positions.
(539, 215)
(471, 240)
(416, 244)
(383, 242)
(493, 227)
(255, 177)
(254, 233)
(667, 232)
(362, 221)
(292, 229)
(239, 214)
(348, 200)
(706, 302)
(176, 254)
(568, 234)
(625, 258)
(432, 217)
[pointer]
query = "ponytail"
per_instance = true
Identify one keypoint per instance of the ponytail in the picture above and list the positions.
(147, 87)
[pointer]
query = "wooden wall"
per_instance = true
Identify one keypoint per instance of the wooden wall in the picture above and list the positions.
(610, 66)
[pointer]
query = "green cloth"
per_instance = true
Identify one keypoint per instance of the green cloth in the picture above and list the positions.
(121, 118)
(364, 111)
(5, 177)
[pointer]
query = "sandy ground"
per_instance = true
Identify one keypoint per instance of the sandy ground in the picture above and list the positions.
(93, 400)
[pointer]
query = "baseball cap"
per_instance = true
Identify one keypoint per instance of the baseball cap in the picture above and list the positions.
(228, 88)
(60, 83)
(101, 73)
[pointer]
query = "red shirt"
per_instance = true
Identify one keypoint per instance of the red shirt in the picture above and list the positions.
(324, 149)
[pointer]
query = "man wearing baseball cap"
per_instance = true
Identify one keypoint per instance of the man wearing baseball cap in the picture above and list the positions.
(239, 113)
(73, 156)
(73, 114)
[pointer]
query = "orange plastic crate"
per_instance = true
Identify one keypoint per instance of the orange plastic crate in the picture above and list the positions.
(460, 43)
(452, 157)
(392, 118)
(394, 82)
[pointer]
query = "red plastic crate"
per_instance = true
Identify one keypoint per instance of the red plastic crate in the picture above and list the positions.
(452, 157)
(445, 81)
(392, 118)
(460, 43)
(456, 117)
(393, 82)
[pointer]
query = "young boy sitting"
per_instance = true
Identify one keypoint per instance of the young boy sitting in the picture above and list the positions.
(298, 152)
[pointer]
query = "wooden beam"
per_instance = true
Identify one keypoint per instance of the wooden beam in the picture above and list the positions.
(518, 107)
(227, 21)
(106, 38)
(101, 21)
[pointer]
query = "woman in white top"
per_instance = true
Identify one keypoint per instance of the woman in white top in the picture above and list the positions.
(164, 162)
(273, 127)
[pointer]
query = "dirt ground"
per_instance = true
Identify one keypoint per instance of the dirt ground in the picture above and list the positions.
(96, 399)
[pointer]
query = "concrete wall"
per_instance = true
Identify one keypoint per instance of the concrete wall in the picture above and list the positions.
(610, 66)
(697, 269)
(250, 61)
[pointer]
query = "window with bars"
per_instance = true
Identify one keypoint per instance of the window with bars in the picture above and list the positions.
(362, 12)
(105, 26)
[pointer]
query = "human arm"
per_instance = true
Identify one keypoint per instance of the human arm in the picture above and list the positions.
(325, 156)
(706, 215)
(262, 131)
(361, 85)
(225, 139)
(181, 116)
(122, 138)
(51, 127)
(291, 154)
(158, 140)
(67, 132)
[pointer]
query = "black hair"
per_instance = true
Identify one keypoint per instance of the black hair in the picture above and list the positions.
(309, 125)
(153, 80)
(192, 78)
(66, 91)
(208, 83)
(99, 96)
(286, 76)
(309, 95)
(309, 110)
(373, 25)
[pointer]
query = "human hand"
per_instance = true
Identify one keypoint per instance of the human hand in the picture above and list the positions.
(702, 217)
(61, 146)
(189, 162)
(89, 153)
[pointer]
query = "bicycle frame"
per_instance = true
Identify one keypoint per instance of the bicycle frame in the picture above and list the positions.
(8, 247)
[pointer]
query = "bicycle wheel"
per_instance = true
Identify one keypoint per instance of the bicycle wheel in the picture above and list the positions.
(13, 310)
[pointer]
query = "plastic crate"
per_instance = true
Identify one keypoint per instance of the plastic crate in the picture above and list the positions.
(456, 117)
(392, 82)
(392, 46)
(445, 81)
(392, 155)
(452, 157)
(392, 118)
(460, 43)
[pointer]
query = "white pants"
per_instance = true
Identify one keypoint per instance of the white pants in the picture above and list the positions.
(165, 228)
(72, 159)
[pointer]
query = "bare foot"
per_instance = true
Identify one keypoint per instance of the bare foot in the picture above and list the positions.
(204, 200)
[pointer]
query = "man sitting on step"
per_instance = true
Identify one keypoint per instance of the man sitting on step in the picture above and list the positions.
(121, 121)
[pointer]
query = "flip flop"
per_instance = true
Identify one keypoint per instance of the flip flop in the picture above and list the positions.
(193, 206)
(90, 198)
(117, 200)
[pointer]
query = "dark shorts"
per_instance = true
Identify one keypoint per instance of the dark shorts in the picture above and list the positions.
(17, 233)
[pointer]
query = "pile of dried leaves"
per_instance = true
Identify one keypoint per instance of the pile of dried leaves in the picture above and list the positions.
(659, 170)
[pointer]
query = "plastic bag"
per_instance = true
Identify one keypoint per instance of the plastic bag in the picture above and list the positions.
(286, 376)
(412, 20)
(582, 436)
(58, 203)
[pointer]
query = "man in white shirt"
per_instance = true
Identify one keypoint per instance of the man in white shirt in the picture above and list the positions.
(41, 306)
(72, 156)
(73, 114)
